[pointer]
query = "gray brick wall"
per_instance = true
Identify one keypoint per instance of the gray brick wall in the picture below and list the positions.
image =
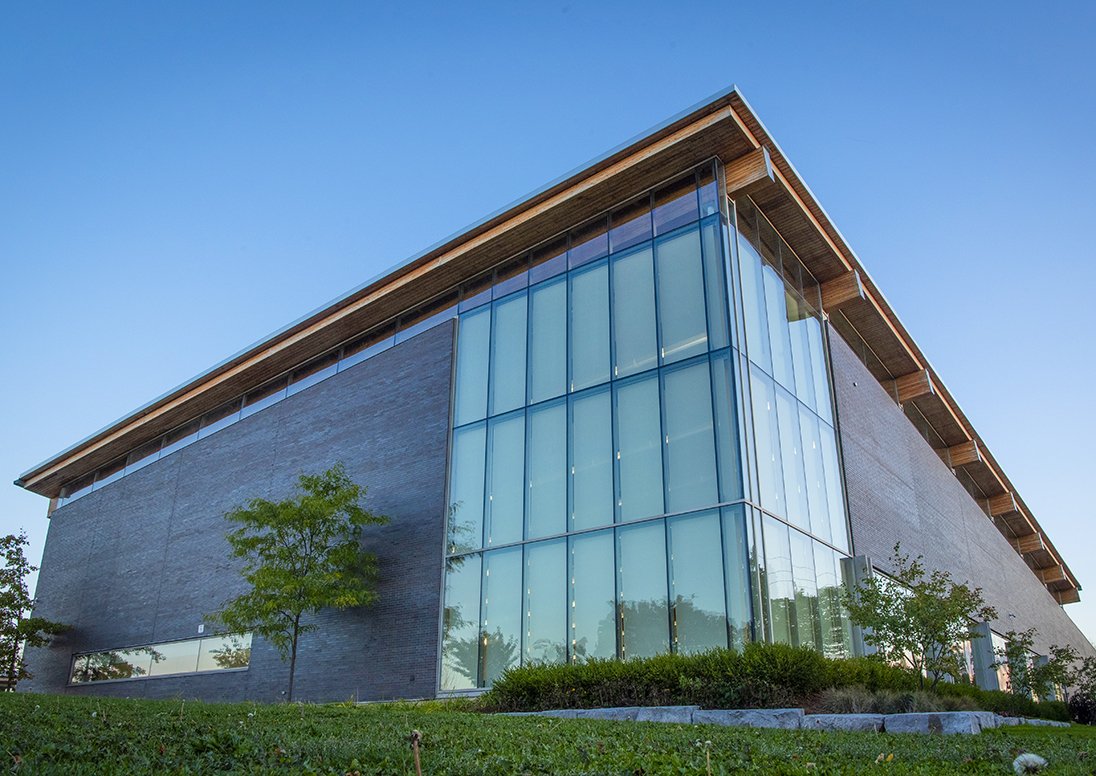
(900, 491)
(143, 559)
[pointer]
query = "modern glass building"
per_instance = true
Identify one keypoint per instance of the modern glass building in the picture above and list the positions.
(657, 406)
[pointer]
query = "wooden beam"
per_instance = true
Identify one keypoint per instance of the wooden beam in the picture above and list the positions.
(748, 172)
(1070, 596)
(913, 385)
(965, 453)
(839, 291)
(1052, 574)
(1027, 544)
(1002, 504)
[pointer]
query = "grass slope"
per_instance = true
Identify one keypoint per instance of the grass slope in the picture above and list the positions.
(50, 734)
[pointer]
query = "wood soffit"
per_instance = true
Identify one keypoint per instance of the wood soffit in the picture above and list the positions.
(726, 128)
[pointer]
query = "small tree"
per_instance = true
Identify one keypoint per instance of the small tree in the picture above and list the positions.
(18, 629)
(919, 620)
(302, 554)
(1039, 679)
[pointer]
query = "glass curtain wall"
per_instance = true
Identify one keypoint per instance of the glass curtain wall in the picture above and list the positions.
(613, 480)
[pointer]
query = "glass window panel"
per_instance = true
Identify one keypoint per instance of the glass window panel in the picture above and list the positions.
(434, 313)
(592, 597)
(779, 336)
(143, 455)
(110, 473)
(630, 224)
(262, 397)
(549, 260)
(466, 486)
(634, 312)
(591, 461)
(709, 191)
(366, 347)
(508, 355)
(697, 591)
(589, 242)
(460, 629)
(779, 582)
(639, 446)
(644, 615)
(681, 297)
(119, 664)
(753, 304)
(313, 372)
(224, 415)
(728, 440)
(823, 402)
(815, 471)
(736, 565)
(511, 276)
(224, 652)
(767, 442)
(690, 442)
(799, 318)
(505, 479)
(179, 438)
(79, 670)
(83, 485)
(791, 458)
(501, 647)
(839, 531)
(548, 341)
(476, 292)
(546, 502)
(589, 327)
(177, 657)
(676, 205)
(473, 348)
(808, 627)
(546, 602)
(830, 612)
(715, 285)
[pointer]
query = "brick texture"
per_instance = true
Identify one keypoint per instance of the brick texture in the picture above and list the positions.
(143, 559)
(900, 491)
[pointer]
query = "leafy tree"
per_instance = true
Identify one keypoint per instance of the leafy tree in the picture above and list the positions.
(302, 554)
(920, 622)
(1026, 678)
(18, 628)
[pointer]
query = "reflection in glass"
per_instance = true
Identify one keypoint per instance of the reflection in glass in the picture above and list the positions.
(548, 340)
(225, 415)
(460, 623)
(592, 597)
(223, 652)
(508, 355)
(753, 303)
(175, 658)
(501, 632)
(473, 347)
(546, 602)
(314, 371)
(817, 349)
(779, 336)
(808, 627)
(630, 224)
(505, 479)
(681, 296)
(675, 205)
(591, 461)
(728, 441)
(716, 285)
(546, 501)
(590, 327)
(690, 442)
(831, 613)
(779, 582)
(466, 486)
(639, 449)
(634, 313)
(767, 441)
(588, 242)
(791, 456)
(644, 623)
(839, 530)
(263, 397)
(737, 568)
(696, 583)
(799, 324)
(815, 474)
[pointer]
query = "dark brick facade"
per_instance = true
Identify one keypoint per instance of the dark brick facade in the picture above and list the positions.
(900, 491)
(143, 559)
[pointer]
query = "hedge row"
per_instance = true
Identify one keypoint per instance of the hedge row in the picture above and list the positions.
(760, 676)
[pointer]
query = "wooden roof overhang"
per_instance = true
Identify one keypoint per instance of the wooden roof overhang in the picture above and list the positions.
(724, 127)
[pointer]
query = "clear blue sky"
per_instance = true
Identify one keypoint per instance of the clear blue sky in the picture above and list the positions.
(178, 180)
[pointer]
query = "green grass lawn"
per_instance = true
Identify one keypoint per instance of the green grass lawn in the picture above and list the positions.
(49, 734)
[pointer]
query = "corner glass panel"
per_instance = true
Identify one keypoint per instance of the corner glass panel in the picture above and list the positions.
(676, 205)
(644, 614)
(779, 582)
(630, 224)
(501, 645)
(690, 441)
(548, 341)
(589, 331)
(461, 624)
(779, 336)
(799, 324)
(708, 190)
(808, 627)
(699, 616)
(791, 457)
(681, 307)
(716, 286)
(815, 475)
(591, 461)
(505, 479)
(634, 312)
(835, 492)
(753, 304)
(815, 337)
(219, 653)
(508, 355)
(466, 487)
(546, 602)
(830, 612)
(737, 568)
(639, 449)
(473, 349)
(727, 437)
(177, 657)
(592, 597)
(546, 501)
(767, 440)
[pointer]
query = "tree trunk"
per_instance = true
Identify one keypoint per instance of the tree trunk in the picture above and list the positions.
(293, 657)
